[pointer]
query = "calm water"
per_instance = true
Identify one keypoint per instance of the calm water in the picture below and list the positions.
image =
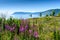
(25, 16)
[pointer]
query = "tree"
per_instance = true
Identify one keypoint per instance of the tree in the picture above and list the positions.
(30, 15)
(53, 13)
(40, 14)
(46, 15)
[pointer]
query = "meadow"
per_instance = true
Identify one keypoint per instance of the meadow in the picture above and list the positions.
(44, 28)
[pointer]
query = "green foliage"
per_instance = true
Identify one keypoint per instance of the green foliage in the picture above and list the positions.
(30, 15)
(58, 14)
(47, 15)
(45, 27)
(40, 14)
(53, 13)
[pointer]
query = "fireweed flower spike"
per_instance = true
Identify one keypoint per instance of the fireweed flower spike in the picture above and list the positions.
(30, 31)
(35, 34)
(10, 28)
(7, 27)
(14, 27)
(26, 27)
(21, 29)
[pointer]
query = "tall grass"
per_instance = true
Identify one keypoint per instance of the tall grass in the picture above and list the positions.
(46, 28)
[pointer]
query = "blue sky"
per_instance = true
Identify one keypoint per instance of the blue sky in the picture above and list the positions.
(10, 6)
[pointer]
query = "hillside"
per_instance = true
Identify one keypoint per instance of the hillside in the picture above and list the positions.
(34, 14)
(46, 28)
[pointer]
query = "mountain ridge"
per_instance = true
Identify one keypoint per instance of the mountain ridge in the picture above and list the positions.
(50, 10)
(35, 14)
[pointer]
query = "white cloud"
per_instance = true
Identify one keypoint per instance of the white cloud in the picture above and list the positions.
(7, 13)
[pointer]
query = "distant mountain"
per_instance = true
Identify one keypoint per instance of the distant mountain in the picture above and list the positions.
(17, 13)
(36, 14)
(50, 11)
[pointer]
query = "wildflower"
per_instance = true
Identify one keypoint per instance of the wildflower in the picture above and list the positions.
(21, 29)
(35, 34)
(26, 27)
(7, 27)
(30, 31)
(10, 28)
(14, 27)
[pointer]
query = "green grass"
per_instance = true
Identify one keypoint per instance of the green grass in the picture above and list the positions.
(47, 27)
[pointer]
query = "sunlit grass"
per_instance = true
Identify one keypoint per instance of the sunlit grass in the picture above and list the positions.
(46, 28)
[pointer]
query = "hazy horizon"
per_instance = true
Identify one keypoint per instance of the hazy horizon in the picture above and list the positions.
(10, 6)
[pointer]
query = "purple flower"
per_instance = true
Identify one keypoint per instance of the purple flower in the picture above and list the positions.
(26, 27)
(35, 34)
(7, 27)
(10, 28)
(14, 27)
(30, 31)
(21, 29)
